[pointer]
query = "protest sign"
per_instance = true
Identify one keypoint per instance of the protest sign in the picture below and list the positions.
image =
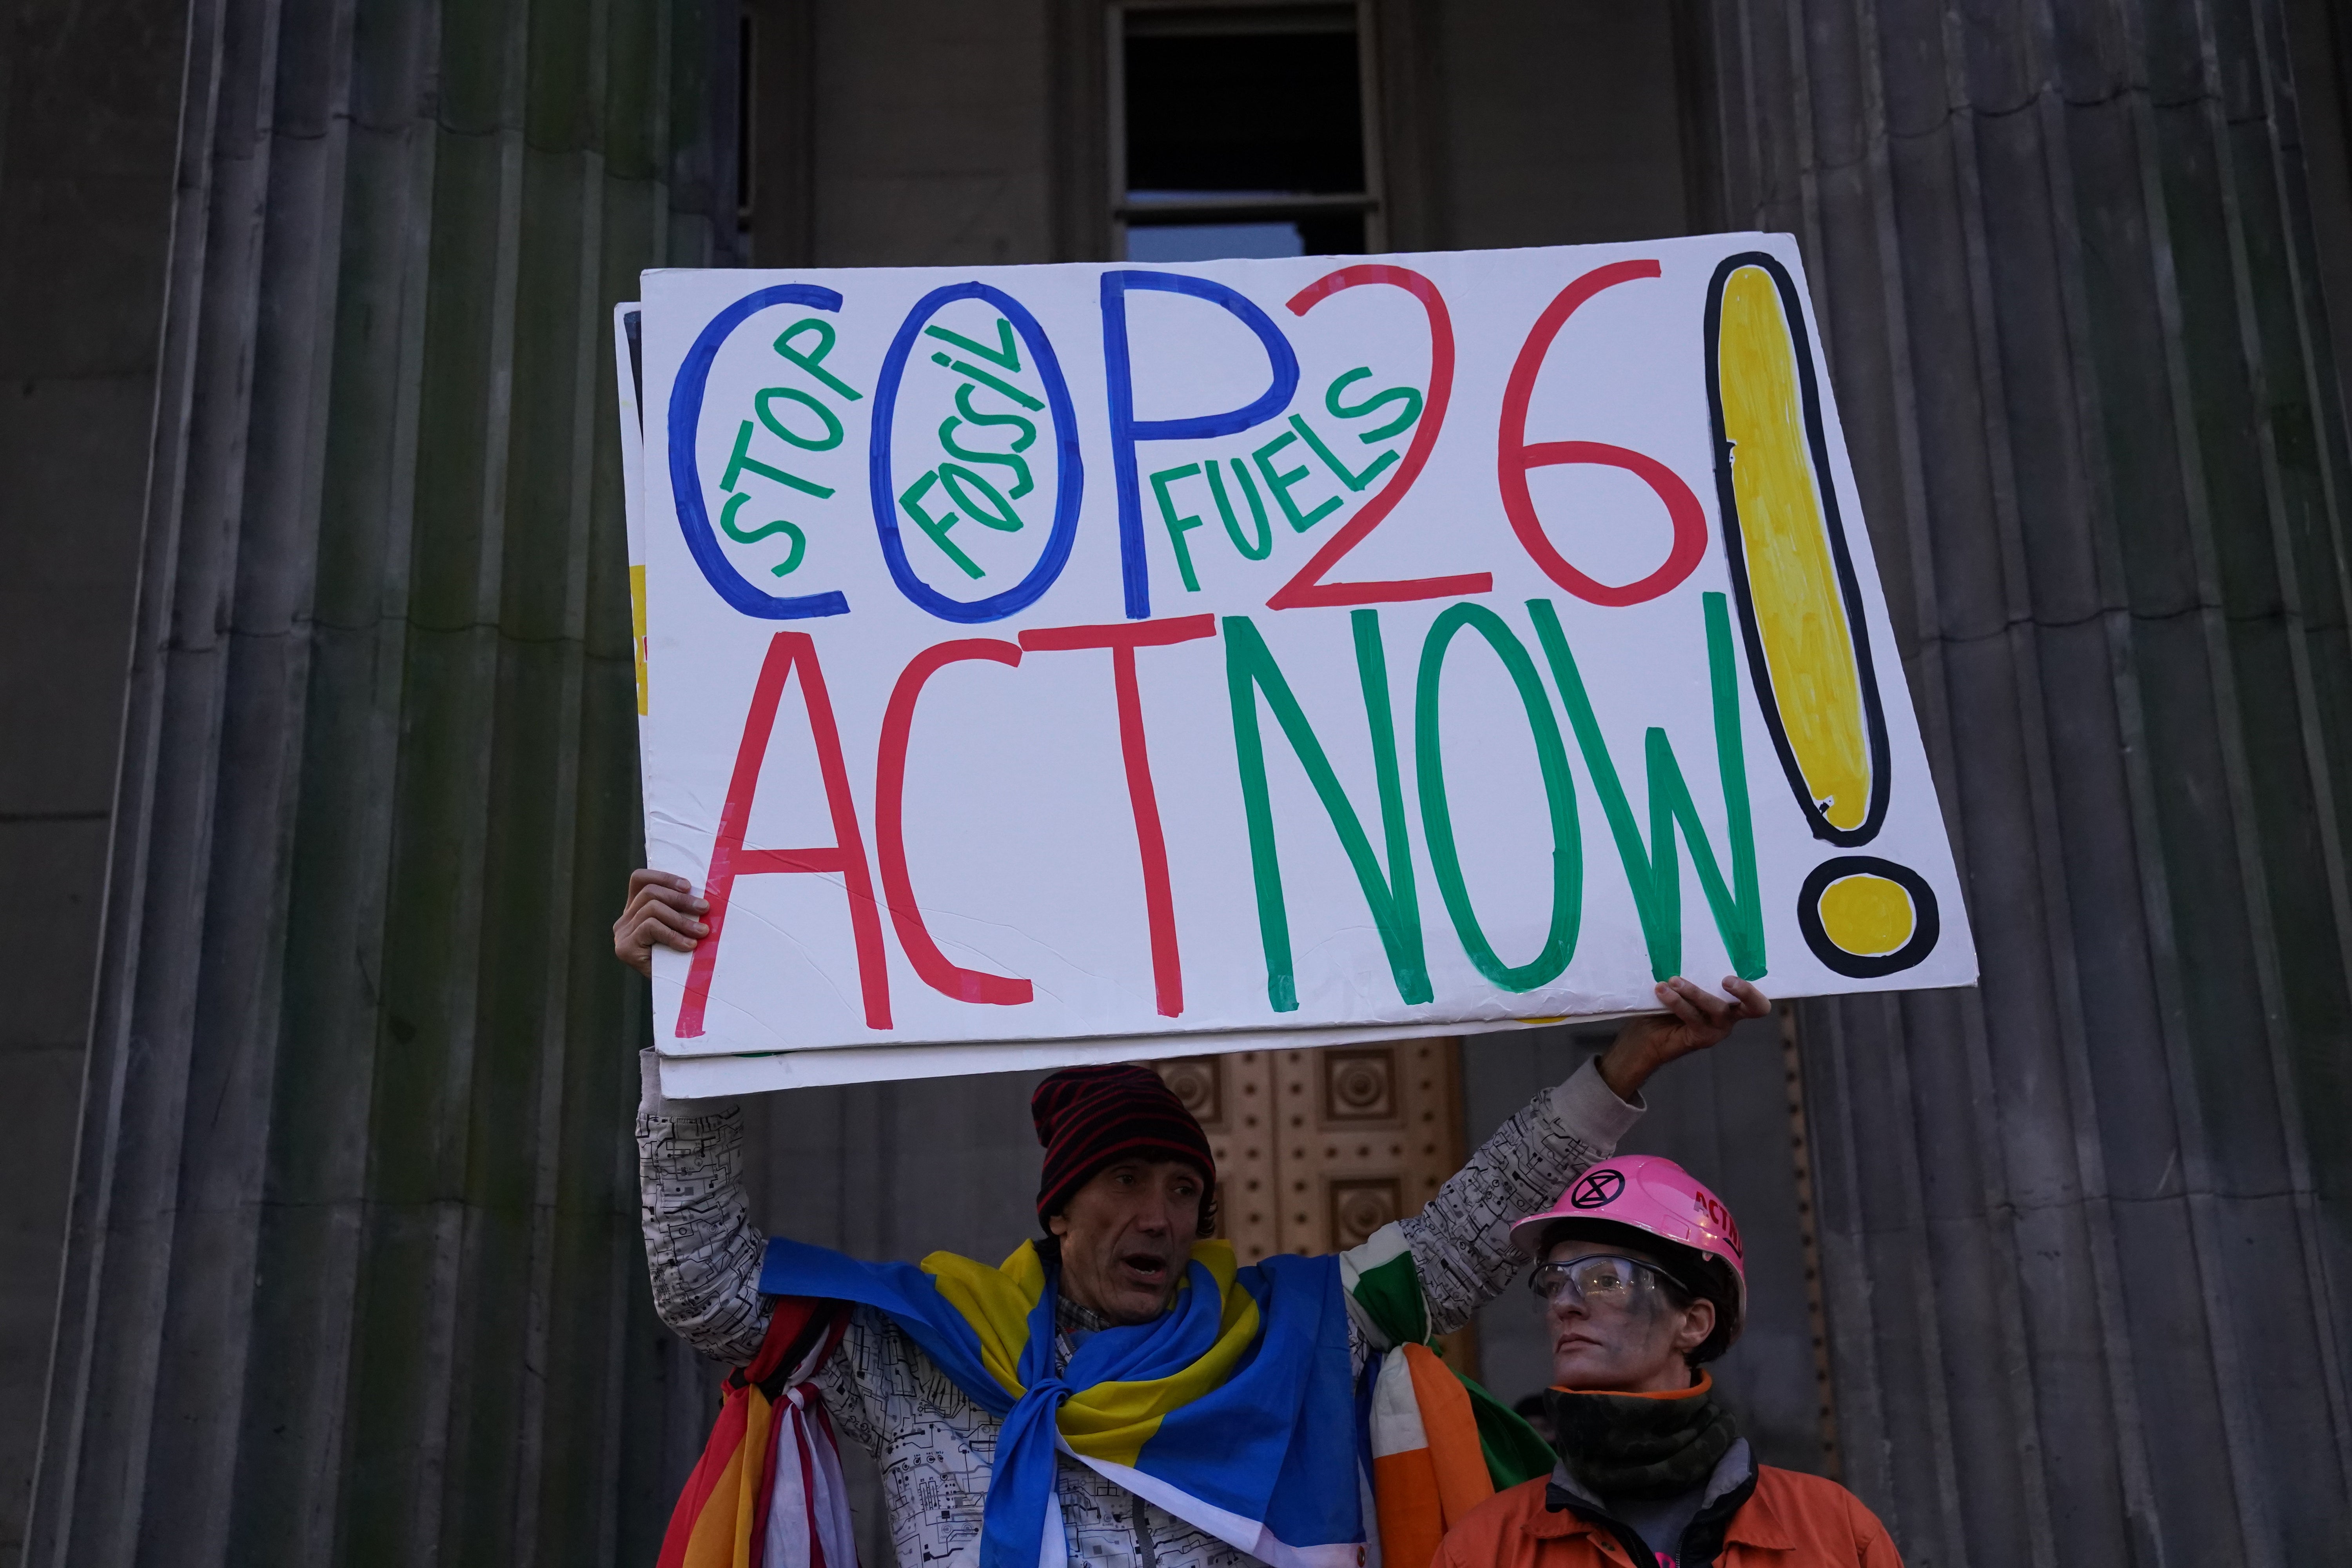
(1046, 664)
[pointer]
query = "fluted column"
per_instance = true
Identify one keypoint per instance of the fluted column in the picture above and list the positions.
(352, 1273)
(2085, 1228)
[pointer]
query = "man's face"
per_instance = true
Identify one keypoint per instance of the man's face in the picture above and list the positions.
(1630, 1341)
(1125, 1236)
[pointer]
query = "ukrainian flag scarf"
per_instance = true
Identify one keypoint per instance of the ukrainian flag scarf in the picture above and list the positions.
(1233, 1410)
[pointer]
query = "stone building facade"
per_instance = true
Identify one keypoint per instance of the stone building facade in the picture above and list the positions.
(317, 789)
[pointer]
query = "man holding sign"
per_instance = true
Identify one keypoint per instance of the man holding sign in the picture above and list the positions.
(1117, 1390)
(1249, 655)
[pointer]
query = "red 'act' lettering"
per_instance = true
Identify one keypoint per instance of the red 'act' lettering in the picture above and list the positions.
(1159, 900)
(890, 839)
(845, 857)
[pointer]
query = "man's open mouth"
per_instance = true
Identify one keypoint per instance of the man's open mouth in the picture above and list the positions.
(1149, 1267)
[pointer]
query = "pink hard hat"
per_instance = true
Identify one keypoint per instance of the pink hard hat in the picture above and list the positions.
(1645, 1192)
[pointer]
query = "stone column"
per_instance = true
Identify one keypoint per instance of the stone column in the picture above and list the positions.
(352, 1270)
(2086, 1227)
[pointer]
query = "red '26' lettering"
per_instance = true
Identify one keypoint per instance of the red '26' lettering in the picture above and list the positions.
(1307, 589)
(1516, 455)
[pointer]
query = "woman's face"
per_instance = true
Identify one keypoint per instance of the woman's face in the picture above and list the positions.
(1613, 1328)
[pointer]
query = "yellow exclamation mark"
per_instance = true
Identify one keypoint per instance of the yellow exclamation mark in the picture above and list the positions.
(1800, 610)
(1808, 649)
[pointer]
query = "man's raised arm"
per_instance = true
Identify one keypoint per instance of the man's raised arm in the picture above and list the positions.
(1461, 1241)
(701, 1248)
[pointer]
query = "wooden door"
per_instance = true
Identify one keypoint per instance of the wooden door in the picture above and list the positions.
(1317, 1148)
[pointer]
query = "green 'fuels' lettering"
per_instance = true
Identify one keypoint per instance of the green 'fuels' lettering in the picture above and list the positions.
(1264, 545)
(1354, 481)
(1281, 483)
(1654, 873)
(1250, 669)
(1559, 794)
(1178, 526)
(1404, 395)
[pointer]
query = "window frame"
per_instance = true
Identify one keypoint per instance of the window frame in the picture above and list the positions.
(1269, 14)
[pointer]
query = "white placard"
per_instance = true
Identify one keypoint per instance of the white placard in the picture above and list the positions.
(1092, 660)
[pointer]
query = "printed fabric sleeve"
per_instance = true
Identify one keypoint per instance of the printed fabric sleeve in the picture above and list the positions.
(1461, 1241)
(856, 1380)
(700, 1245)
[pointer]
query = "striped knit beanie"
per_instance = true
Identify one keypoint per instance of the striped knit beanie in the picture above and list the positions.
(1091, 1117)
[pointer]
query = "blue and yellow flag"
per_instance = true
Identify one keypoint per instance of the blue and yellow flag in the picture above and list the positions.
(1233, 1410)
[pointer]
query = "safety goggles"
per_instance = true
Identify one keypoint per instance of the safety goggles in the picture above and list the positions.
(1602, 1280)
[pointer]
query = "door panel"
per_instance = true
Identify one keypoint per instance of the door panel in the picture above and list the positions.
(1317, 1148)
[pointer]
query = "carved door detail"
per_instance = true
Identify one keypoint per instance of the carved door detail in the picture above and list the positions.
(1317, 1148)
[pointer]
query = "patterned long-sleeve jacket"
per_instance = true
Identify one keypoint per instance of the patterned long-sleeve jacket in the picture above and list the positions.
(933, 1445)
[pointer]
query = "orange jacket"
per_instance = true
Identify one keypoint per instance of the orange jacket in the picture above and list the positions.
(1791, 1520)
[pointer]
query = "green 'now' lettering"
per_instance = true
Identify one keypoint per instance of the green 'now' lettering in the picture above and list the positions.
(1392, 896)
(1655, 871)
(1559, 795)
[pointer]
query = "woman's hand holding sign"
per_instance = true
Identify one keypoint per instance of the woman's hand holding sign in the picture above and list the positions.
(1694, 1021)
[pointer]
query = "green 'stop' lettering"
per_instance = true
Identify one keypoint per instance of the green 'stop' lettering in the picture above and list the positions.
(813, 361)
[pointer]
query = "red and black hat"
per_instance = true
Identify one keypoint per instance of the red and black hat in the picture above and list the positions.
(1091, 1117)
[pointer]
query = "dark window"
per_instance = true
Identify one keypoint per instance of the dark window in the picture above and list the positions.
(1254, 111)
(746, 46)
(1242, 133)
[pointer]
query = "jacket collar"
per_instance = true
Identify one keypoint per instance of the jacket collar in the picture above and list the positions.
(1757, 1525)
(1570, 1509)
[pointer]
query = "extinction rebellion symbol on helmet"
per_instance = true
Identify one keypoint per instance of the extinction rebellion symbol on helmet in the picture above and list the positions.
(1598, 1190)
